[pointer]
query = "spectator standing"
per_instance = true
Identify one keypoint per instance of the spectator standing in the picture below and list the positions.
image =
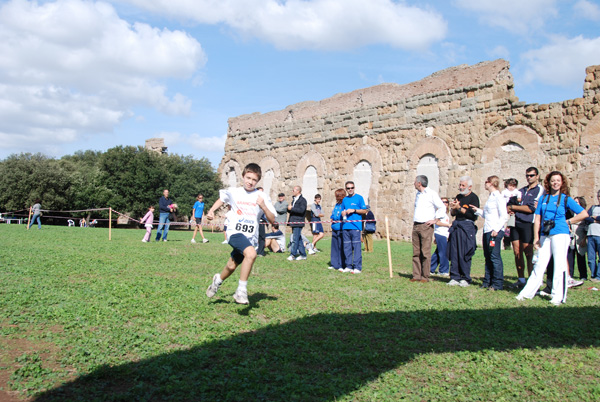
(440, 233)
(521, 235)
(512, 196)
(551, 237)
(198, 211)
(369, 227)
(337, 240)
(461, 236)
(297, 212)
(164, 212)
(429, 208)
(36, 210)
(593, 240)
(354, 209)
(495, 215)
(316, 227)
(282, 212)
(578, 247)
(148, 220)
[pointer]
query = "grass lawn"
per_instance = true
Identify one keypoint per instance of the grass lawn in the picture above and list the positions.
(83, 319)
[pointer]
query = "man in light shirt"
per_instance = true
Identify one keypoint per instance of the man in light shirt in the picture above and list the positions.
(429, 209)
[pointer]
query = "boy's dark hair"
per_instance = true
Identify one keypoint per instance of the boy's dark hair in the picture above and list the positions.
(511, 181)
(280, 195)
(253, 168)
(317, 195)
(275, 225)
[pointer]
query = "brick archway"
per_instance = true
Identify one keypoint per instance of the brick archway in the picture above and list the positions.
(438, 148)
(371, 155)
(226, 168)
(269, 163)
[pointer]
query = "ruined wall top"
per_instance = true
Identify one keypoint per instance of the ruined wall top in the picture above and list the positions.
(444, 80)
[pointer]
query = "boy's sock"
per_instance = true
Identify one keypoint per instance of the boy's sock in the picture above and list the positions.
(219, 281)
(243, 285)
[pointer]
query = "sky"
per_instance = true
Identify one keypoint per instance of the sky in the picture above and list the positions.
(81, 75)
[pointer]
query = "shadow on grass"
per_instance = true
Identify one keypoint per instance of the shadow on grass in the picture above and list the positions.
(326, 356)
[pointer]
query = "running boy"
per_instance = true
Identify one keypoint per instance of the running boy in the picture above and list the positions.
(198, 211)
(247, 204)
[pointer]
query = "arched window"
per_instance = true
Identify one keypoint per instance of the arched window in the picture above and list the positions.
(428, 166)
(362, 179)
(268, 182)
(309, 184)
(231, 177)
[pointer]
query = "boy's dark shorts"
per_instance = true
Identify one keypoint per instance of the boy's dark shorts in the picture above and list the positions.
(239, 242)
(198, 221)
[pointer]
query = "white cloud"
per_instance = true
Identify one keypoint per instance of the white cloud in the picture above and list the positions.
(588, 10)
(194, 141)
(563, 62)
(313, 24)
(520, 16)
(500, 52)
(72, 67)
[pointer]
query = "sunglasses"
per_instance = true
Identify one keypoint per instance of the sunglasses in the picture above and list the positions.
(530, 175)
(446, 202)
(349, 188)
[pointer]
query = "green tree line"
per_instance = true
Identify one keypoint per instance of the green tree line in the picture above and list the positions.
(126, 178)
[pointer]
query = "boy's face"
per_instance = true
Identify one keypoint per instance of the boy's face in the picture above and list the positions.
(250, 181)
(317, 200)
(200, 198)
(511, 187)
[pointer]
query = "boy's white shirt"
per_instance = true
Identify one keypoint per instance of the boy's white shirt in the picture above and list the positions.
(507, 194)
(245, 212)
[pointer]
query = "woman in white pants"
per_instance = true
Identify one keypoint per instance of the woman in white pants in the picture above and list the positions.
(551, 224)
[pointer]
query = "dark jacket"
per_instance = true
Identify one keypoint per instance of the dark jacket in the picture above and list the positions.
(297, 213)
(163, 205)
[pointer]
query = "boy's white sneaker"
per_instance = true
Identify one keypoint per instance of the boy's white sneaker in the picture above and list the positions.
(463, 283)
(144, 241)
(212, 289)
(347, 270)
(224, 242)
(453, 282)
(357, 271)
(300, 258)
(204, 240)
(193, 241)
(311, 251)
(241, 297)
(291, 258)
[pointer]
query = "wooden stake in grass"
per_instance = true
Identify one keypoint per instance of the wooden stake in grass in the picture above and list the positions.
(29, 218)
(109, 223)
(387, 233)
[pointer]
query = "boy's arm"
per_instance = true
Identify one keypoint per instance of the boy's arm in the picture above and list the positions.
(268, 213)
(211, 213)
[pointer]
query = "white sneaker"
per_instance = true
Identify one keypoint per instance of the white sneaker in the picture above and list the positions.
(224, 242)
(204, 240)
(241, 297)
(330, 267)
(291, 258)
(311, 251)
(572, 283)
(144, 241)
(212, 289)
(463, 283)
(300, 258)
(164, 239)
(193, 241)
(555, 303)
(341, 269)
(357, 271)
(347, 270)
(543, 293)
(446, 275)
(453, 283)
(520, 298)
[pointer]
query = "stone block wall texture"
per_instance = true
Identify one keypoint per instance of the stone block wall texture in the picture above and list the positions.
(467, 117)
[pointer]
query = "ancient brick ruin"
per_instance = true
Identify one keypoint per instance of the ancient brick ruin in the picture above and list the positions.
(464, 120)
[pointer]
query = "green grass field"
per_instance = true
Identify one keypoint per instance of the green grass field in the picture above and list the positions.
(83, 318)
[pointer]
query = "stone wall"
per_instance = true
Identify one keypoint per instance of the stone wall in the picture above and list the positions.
(466, 119)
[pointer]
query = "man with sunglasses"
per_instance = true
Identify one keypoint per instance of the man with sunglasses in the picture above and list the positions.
(521, 235)
(353, 209)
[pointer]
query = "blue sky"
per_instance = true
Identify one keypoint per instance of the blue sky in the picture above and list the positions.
(78, 75)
